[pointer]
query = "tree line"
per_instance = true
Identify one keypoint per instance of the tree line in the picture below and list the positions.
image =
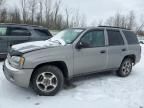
(53, 15)
(48, 13)
(128, 21)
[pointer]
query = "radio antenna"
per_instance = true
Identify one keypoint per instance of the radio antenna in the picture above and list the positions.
(140, 28)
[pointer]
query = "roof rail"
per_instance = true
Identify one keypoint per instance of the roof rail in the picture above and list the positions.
(114, 27)
(20, 24)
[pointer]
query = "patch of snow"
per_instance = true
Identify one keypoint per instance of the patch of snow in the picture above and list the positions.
(24, 47)
(100, 91)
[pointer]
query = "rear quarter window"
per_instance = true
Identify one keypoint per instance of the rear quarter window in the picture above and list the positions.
(131, 37)
(42, 32)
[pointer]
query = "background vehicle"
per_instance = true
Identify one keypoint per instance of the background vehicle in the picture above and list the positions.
(141, 41)
(72, 52)
(54, 32)
(11, 34)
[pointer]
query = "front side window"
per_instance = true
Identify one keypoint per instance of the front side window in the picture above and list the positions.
(17, 31)
(3, 31)
(115, 38)
(94, 39)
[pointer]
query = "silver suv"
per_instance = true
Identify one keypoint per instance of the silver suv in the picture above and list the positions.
(47, 65)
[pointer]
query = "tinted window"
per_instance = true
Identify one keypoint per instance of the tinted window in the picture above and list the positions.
(94, 39)
(3, 31)
(17, 31)
(115, 38)
(131, 37)
(42, 32)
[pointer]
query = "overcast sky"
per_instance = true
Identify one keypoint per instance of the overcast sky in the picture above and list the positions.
(96, 10)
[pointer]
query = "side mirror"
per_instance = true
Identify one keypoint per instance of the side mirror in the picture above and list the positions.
(81, 45)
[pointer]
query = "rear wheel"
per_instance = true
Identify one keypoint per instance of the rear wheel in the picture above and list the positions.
(47, 80)
(125, 68)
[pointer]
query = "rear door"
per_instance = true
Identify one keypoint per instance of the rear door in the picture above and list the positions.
(116, 49)
(18, 35)
(3, 40)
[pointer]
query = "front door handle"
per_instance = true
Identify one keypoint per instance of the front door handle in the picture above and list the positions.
(103, 52)
(124, 49)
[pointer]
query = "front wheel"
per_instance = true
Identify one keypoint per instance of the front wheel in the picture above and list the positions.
(125, 68)
(47, 81)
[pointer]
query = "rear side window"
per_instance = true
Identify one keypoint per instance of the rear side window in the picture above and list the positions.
(130, 37)
(3, 31)
(42, 32)
(115, 38)
(17, 31)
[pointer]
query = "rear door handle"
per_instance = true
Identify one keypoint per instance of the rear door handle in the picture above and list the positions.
(124, 49)
(103, 51)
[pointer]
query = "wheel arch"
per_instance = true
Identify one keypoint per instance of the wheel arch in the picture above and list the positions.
(131, 56)
(60, 64)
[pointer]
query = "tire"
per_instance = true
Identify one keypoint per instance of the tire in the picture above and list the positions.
(47, 80)
(125, 68)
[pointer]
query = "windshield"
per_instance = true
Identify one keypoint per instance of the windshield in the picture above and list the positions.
(68, 36)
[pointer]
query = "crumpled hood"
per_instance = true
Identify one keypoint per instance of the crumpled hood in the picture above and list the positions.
(37, 45)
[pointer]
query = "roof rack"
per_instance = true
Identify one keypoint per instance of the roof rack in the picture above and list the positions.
(114, 27)
(20, 24)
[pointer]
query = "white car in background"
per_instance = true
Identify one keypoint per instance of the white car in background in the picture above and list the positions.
(54, 32)
(141, 41)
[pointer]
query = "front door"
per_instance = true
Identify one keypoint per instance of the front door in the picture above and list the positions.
(93, 56)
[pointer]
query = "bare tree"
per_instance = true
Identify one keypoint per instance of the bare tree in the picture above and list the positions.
(83, 21)
(109, 21)
(38, 19)
(31, 12)
(56, 11)
(3, 17)
(100, 22)
(2, 11)
(24, 10)
(117, 20)
(67, 17)
(131, 20)
(41, 10)
(14, 16)
(76, 19)
(48, 5)
(67, 12)
(59, 23)
(125, 21)
(32, 7)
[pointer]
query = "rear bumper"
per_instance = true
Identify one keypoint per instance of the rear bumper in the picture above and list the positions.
(16, 76)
